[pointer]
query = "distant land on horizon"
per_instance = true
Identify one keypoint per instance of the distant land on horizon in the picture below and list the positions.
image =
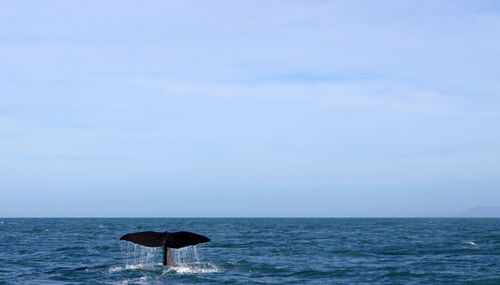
(481, 212)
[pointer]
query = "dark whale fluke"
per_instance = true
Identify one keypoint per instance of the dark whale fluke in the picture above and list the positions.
(149, 239)
(167, 240)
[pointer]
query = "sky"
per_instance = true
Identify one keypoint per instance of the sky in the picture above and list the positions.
(249, 108)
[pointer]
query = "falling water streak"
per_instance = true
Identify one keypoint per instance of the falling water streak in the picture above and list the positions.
(196, 255)
(147, 255)
(186, 255)
(187, 259)
(136, 254)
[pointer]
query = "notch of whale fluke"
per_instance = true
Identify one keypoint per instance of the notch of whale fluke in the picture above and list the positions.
(172, 240)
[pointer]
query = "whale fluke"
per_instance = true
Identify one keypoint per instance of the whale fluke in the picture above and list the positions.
(166, 240)
(173, 240)
(183, 239)
(149, 239)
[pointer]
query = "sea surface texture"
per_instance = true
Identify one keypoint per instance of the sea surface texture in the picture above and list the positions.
(252, 251)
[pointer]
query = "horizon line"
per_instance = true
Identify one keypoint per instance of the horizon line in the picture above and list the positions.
(246, 217)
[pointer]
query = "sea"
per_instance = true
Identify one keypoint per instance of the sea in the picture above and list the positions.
(253, 251)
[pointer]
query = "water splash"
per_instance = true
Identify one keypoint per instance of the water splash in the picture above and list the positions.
(187, 259)
(186, 255)
(140, 255)
(131, 267)
(194, 268)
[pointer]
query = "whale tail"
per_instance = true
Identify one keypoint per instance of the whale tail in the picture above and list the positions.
(183, 239)
(166, 240)
(149, 239)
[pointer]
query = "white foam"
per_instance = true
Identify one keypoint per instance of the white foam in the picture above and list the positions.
(470, 242)
(130, 267)
(141, 280)
(194, 268)
(139, 266)
(115, 269)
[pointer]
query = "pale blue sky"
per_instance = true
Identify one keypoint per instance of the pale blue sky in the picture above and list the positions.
(249, 108)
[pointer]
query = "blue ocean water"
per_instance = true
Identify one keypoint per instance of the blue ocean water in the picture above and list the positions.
(242, 251)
